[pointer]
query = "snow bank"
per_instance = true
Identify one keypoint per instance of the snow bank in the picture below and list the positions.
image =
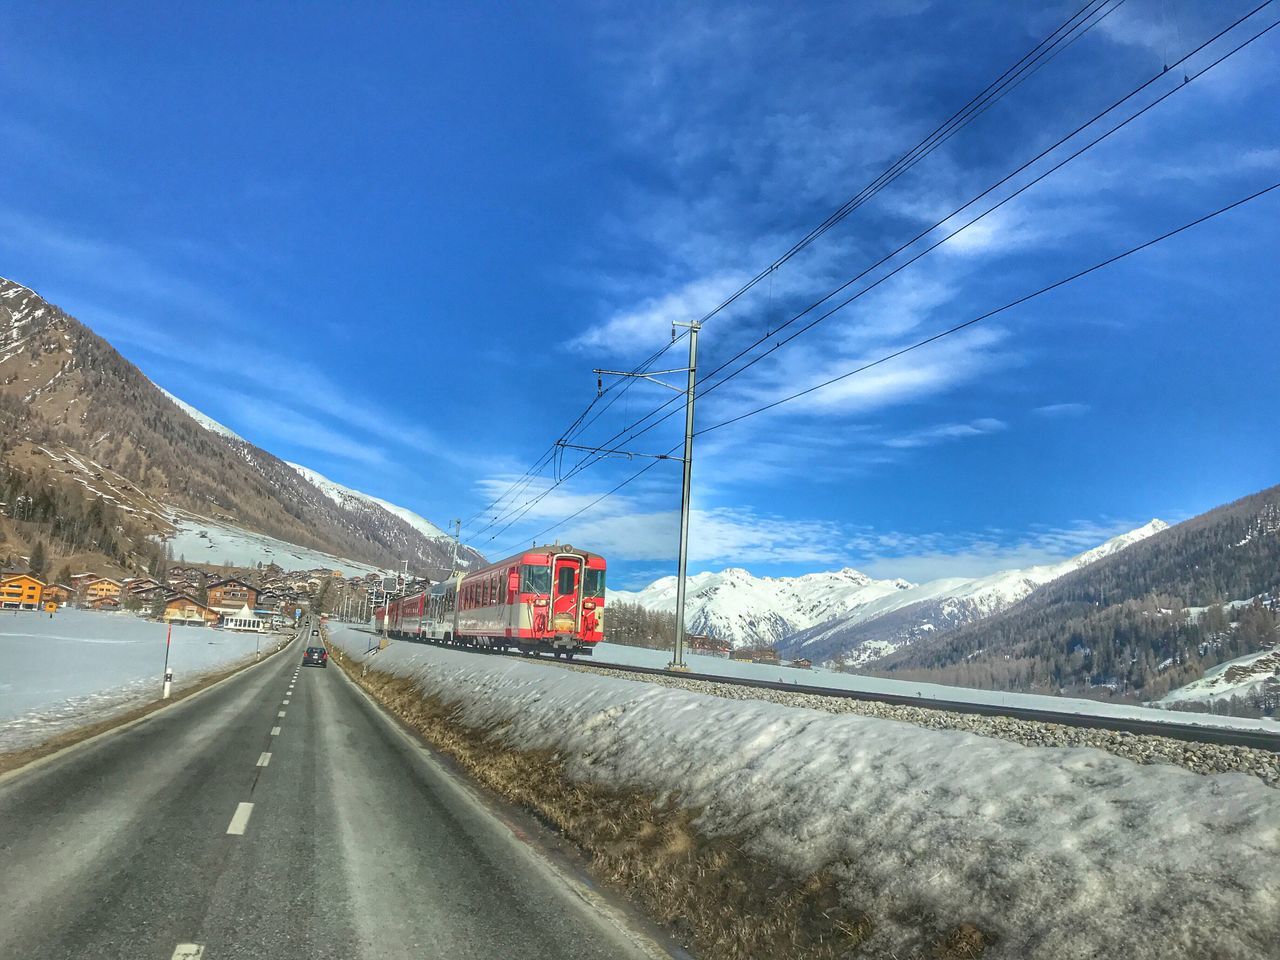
(82, 666)
(716, 666)
(1063, 853)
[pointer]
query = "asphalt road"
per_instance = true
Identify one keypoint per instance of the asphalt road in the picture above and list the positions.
(279, 814)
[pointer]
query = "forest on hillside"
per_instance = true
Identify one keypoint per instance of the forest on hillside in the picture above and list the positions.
(1140, 623)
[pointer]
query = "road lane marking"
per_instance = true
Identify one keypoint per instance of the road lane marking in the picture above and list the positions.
(188, 951)
(280, 714)
(286, 702)
(275, 731)
(241, 819)
(264, 759)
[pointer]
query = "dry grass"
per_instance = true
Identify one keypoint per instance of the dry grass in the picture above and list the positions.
(722, 902)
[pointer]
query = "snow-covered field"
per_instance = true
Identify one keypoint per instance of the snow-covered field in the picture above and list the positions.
(201, 540)
(1062, 852)
(638, 656)
(82, 666)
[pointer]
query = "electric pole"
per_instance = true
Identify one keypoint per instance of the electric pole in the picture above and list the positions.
(686, 489)
(457, 539)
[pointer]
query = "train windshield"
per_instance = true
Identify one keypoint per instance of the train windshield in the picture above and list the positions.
(593, 583)
(535, 579)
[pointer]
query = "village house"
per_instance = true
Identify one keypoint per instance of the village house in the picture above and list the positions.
(228, 596)
(185, 610)
(104, 603)
(59, 593)
(20, 591)
(103, 588)
(802, 664)
(709, 646)
(78, 580)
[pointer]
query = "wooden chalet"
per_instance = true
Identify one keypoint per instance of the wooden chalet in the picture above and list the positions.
(187, 610)
(21, 591)
(230, 595)
(802, 664)
(103, 588)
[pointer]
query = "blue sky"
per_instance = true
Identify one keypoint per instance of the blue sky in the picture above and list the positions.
(392, 244)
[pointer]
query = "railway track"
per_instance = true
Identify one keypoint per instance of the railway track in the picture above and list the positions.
(1187, 732)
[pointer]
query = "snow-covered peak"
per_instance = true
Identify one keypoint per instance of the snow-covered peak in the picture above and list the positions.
(744, 609)
(344, 495)
(210, 424)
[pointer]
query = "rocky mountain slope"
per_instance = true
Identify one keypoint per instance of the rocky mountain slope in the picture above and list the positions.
(1145, 620)
(867, 634)
(846, 615)
(63, 386)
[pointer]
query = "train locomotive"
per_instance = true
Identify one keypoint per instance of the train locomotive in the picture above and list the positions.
(548, 599)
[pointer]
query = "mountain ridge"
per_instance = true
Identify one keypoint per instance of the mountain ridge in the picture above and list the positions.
(64, 385)
(819, 615)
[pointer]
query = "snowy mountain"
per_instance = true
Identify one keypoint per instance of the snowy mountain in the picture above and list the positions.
(346, 497)
(847, 615)
(747, 610)
(363, 511)
(65, 389)
(867, 634)
(210, 424)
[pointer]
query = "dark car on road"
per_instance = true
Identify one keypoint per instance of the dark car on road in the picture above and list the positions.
(316, 656)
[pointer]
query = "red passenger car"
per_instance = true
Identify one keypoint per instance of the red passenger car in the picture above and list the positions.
(548, 598)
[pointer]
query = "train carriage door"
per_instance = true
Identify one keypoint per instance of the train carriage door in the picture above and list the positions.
(565, 587)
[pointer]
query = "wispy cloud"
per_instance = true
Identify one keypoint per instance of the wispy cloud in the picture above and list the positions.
(1062, 410)
(947, 431)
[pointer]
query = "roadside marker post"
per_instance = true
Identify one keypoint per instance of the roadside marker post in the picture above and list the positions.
(168, 674)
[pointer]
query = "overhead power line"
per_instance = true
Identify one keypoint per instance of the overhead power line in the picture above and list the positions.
(634, 430)
(1236, 204)
(1062, 37)
(991, 313)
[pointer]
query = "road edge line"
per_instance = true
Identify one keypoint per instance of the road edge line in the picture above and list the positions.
(38, 762)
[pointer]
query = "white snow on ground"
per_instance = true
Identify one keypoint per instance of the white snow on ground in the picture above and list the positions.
(82, 666)
(1234, 678)
(640, 657)
(201, 540)
(1062, 852)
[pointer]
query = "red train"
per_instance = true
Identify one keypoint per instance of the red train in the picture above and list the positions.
(547, 599)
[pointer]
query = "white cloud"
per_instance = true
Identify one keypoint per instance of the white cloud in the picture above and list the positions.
(947, 431)
(931, 556)
(1062, 410)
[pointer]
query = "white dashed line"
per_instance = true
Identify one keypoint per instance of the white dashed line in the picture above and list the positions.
(241, 819)
(280, 714)
(285, 702)
(264, 759)
(188, 951)
(275, 731)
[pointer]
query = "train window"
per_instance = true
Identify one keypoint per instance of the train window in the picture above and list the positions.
(502, 589)
(567, 577)
(593, 583)
(493, 588)
(535, 579)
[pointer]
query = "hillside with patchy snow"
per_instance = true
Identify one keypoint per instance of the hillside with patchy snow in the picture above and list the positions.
(830, 616)
(867, 634)
(64, 388)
